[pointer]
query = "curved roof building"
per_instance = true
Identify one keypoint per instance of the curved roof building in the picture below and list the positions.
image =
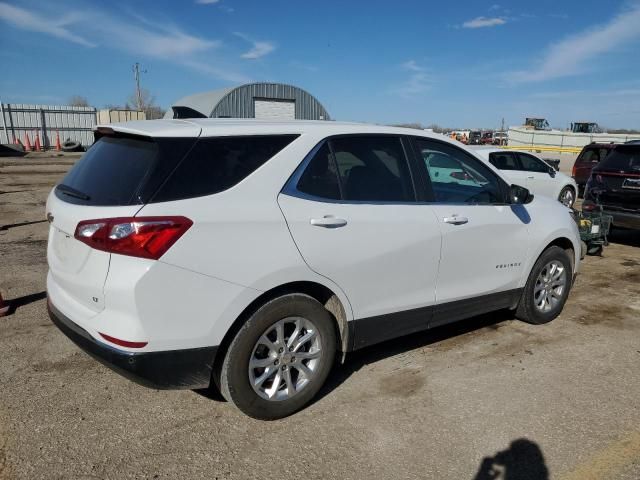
(253, 100)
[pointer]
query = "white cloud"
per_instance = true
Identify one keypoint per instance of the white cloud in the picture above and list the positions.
(153, 39)
(482, 22)
(419, 80)
(211, 71)
(26, 20)
(259, 49)
(130, 33)
(571, 55)
(413, 66)
(207, 2)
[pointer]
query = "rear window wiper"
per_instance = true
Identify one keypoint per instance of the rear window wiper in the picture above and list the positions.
(72, 192)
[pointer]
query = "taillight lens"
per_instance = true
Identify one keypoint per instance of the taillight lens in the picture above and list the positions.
(573, 170)
(145, 237)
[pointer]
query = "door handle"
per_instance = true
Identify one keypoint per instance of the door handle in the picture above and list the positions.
(455, 220)
(530, 176)
(328, 221)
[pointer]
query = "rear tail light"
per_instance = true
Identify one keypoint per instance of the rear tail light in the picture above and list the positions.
(145, 237)
(588, 206)
(573, 170)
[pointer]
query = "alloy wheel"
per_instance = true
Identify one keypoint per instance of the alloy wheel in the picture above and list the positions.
(550, 286)
(285, 358)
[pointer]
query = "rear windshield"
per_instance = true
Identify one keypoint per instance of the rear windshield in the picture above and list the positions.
(138, 170)
(623, 159)
(122, 170)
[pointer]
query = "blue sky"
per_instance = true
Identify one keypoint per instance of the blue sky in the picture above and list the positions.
(463, 63)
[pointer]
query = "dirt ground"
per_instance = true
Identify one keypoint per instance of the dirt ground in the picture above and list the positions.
(486, 398)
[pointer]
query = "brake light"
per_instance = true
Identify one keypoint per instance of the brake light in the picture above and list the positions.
(144, 237)
(588, 206)
(573, 170)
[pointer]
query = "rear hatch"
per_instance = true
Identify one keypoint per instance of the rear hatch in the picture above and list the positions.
(115, 178)
(617, 177)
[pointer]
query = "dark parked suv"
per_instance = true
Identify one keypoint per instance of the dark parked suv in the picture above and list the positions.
(615, 182)
(589, 157)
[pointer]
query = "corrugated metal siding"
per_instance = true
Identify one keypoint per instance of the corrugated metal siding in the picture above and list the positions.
(75, 123)
(239, 103)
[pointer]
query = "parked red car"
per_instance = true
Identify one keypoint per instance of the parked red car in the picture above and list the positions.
(487, 138)
(589, 157)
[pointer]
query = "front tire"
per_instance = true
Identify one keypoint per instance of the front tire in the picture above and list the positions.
(547, 287)
(280, 358)
(567, 196)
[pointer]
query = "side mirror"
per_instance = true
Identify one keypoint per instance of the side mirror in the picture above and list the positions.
(552, 172)
(519, 195)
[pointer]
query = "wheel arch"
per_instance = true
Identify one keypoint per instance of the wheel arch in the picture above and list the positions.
(321, 293)
(567, 245)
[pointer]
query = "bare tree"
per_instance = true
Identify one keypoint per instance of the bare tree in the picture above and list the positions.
(78, 101)
(147, 104)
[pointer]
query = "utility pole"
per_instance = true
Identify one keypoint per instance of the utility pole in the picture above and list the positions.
(136, 75)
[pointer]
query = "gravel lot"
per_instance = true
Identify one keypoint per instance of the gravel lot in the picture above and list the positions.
(487, 398)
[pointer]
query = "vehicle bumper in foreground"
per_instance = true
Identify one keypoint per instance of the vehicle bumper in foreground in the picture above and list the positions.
(172, 369)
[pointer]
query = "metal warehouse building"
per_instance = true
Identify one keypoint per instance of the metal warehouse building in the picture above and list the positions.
(253, 100)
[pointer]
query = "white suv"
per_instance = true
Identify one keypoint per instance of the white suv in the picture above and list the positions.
(250, 253)
(532, 172)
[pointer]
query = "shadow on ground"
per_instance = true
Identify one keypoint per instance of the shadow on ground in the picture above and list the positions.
(523, 460)
(22, 301)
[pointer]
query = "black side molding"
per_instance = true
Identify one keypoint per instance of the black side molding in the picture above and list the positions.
(171, 369)
(372, 330)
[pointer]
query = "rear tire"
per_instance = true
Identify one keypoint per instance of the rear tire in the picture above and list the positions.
(280, 357)
(547, 287)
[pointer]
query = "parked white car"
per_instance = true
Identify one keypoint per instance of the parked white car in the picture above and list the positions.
(248, 253)
(532, 172)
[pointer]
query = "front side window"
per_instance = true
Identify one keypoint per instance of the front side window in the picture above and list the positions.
(457, 177)
(503, 161)
(358, 168)
(532, 164)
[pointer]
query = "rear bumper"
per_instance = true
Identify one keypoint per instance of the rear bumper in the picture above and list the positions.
(624, 219)
(172, 369)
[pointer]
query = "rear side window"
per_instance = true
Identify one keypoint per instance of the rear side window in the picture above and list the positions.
(503, 161)
(367, 168)
(218, 163)
(373, 169)
(121, 170)
(594, 155)
(320, 178)
(623, 159)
